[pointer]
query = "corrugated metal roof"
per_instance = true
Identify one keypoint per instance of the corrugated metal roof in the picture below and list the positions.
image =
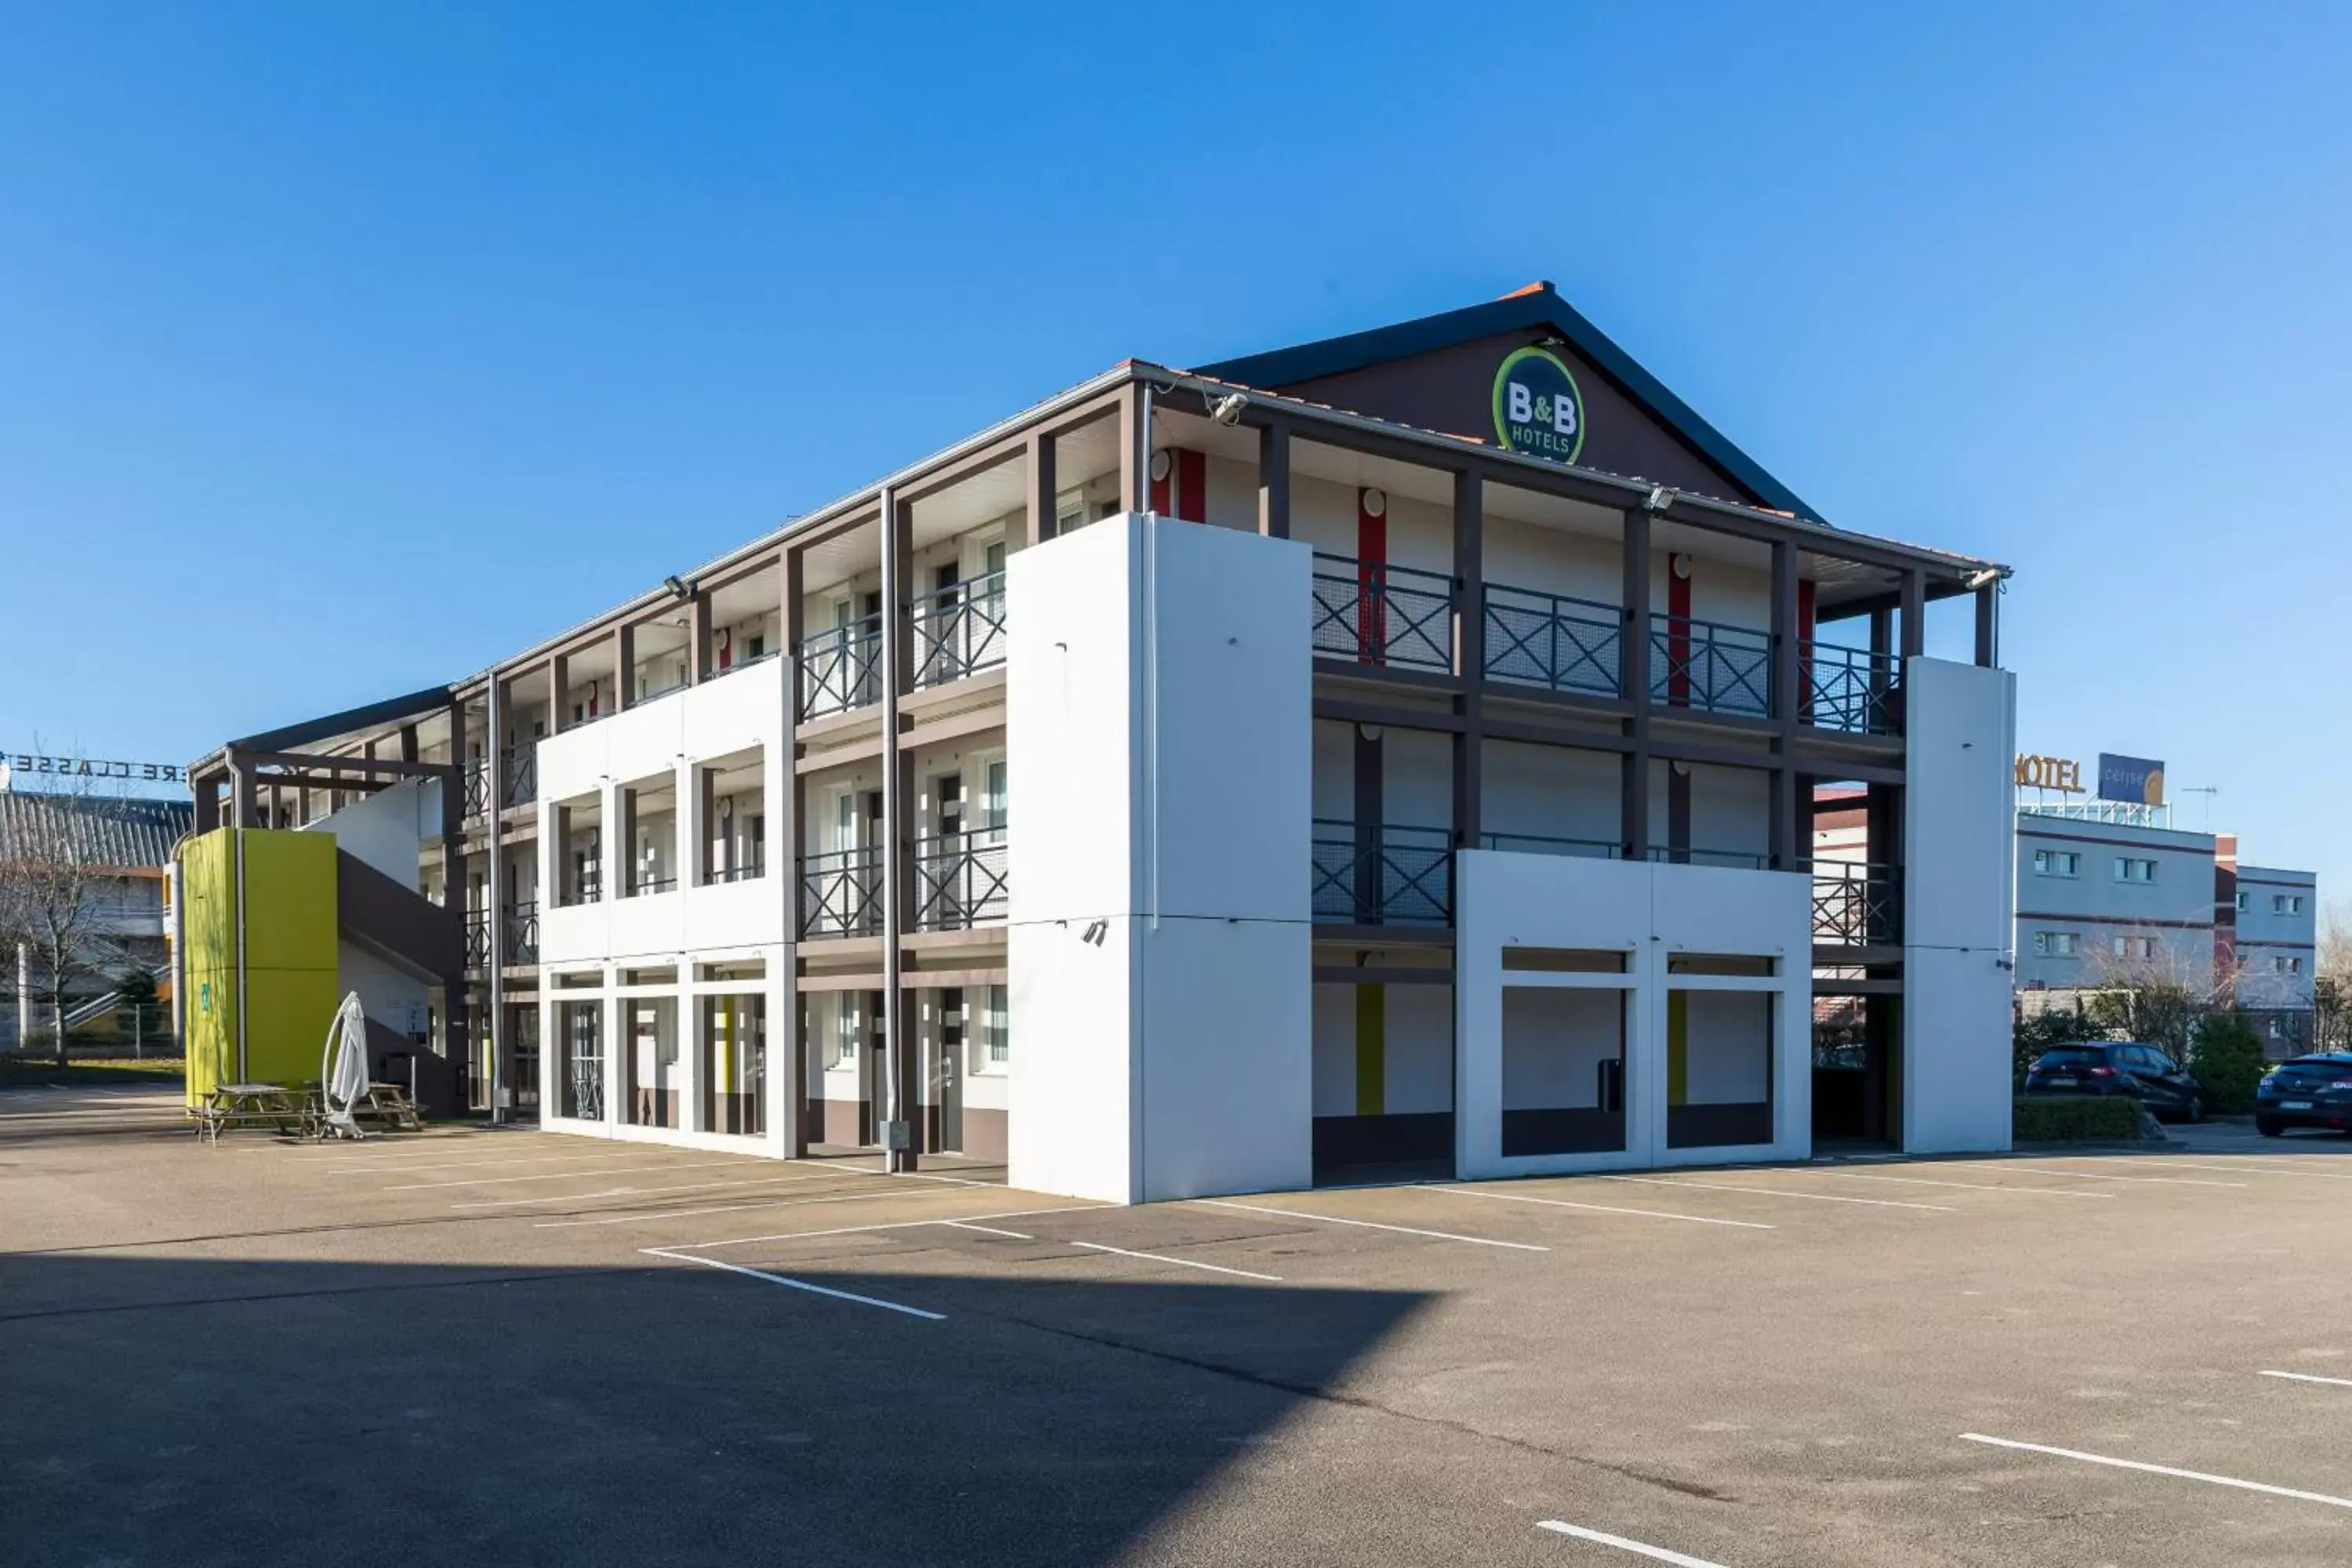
(104, 831)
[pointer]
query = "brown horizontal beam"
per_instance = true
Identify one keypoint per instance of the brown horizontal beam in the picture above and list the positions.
(314, 761)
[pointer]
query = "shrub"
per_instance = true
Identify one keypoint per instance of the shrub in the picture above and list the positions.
(2228, 1063)
(2076, 1119)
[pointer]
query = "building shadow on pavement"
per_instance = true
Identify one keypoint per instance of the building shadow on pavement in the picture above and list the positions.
(231, 1410)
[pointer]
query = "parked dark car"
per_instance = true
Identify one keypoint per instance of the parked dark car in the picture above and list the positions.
(2118, 1066)
(2305, 1091)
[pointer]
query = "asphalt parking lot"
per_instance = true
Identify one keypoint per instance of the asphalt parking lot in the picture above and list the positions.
(500, 1347)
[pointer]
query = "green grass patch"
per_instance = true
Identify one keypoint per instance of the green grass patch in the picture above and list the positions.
(2076, 1119)
(32, 1067)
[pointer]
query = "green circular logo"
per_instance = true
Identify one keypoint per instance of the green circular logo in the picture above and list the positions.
(1537, 409)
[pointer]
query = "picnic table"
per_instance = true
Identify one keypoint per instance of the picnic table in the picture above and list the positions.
(284, 1108)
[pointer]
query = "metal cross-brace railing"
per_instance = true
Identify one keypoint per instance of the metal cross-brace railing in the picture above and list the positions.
(523, 932)
(1851, 688)
(960, 879)
(521, 776)
(841, 893)
(477, 788)
(1381, 874)
(960, 630)
(1376, 613)
(1857, 903)
(1710, 666)
(840, 667)
(1545, 639)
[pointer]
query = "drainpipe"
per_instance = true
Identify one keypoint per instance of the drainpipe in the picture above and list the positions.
(243, 1001)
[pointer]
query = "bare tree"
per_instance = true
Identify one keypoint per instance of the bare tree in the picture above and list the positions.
(54, 902)
(2159, 992)
(2332, 977)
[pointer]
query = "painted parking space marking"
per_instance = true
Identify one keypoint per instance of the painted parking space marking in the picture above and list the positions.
(1372, 1225)
(641, 1216)
(2310, 1377)
(814, 1290)
(2268, 1171)
(1972, 1186)
(405, 1167)
(1784, 1192)
(1605, 1208)
(888, 1225)
(2114, 1463)
(1638, 1548)
(987, 1230)
(627, 1191)
(2101, 1176)
(1180, 1262)
(561, 1175)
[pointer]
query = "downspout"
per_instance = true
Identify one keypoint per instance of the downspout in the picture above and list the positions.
(243, 1001)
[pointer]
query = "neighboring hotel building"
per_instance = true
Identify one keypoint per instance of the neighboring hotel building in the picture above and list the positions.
(2109, 891)
(1236, 779)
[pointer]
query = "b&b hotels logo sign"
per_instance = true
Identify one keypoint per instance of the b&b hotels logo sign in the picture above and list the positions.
(1537, 409)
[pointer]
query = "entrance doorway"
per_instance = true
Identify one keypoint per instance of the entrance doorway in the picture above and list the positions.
(944, 1074)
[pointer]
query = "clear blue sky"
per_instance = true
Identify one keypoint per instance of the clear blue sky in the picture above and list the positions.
(345, 348)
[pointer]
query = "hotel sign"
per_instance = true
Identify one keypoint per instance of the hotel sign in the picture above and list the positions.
(1537, 409)
(2136, 779)
(2059, 774)
(33, 765)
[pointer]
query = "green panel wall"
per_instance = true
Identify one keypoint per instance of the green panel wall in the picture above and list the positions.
(292, 988)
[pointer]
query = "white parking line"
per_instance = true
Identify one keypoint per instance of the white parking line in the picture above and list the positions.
(1180, 1262)
(798, 1284)
(1972, 1186)
(2098, 1176)
(2158, 1469)
(1785, 1192)
(560, 1175)
(986, 1229)
(1603, 1208)
(891, 1224)
(716, 1208)
(628, 1192)
(404, 1167)
(2310, 1377)
(1373, 1225)
(1639, 1549)
(2268, 1171)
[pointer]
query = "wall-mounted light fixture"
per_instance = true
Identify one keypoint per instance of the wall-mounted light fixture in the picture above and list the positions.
(677, 585)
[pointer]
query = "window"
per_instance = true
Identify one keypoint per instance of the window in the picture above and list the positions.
(845, 1031)
(2055, 943)
(2057, 863)
(2282, 965)
(2129, 869)
(2135, 947)
(994, 1029)
(2286, 903)
(2243, 899)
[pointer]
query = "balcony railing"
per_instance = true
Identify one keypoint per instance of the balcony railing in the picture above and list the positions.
(960, 630)
(1730, 859)
(1561, 644)
(587, 887)
(840, 667)
(719, 875)
(523, 932)
(1381, 614)
(1374, 874)
(477, 939)
(477, 788)
(1856, 904)
(960, 879)
(1710, 666)
(1540, 843)
(640, 886)
(841, 893)
(1851, 688)
(521, 782)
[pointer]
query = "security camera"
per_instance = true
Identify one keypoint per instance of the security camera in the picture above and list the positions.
(1227, 409)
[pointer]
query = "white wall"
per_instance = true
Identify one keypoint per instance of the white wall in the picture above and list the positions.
(1957, 919)
(1648, 912)
(387, 829)
(1158, 721)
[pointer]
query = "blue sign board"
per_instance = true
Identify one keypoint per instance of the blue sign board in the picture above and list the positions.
(2135, 779)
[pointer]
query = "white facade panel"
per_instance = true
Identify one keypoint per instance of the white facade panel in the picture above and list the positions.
(1958, 918)
(1158, 721)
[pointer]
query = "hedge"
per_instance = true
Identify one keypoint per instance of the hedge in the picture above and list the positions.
(2076, 1119)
